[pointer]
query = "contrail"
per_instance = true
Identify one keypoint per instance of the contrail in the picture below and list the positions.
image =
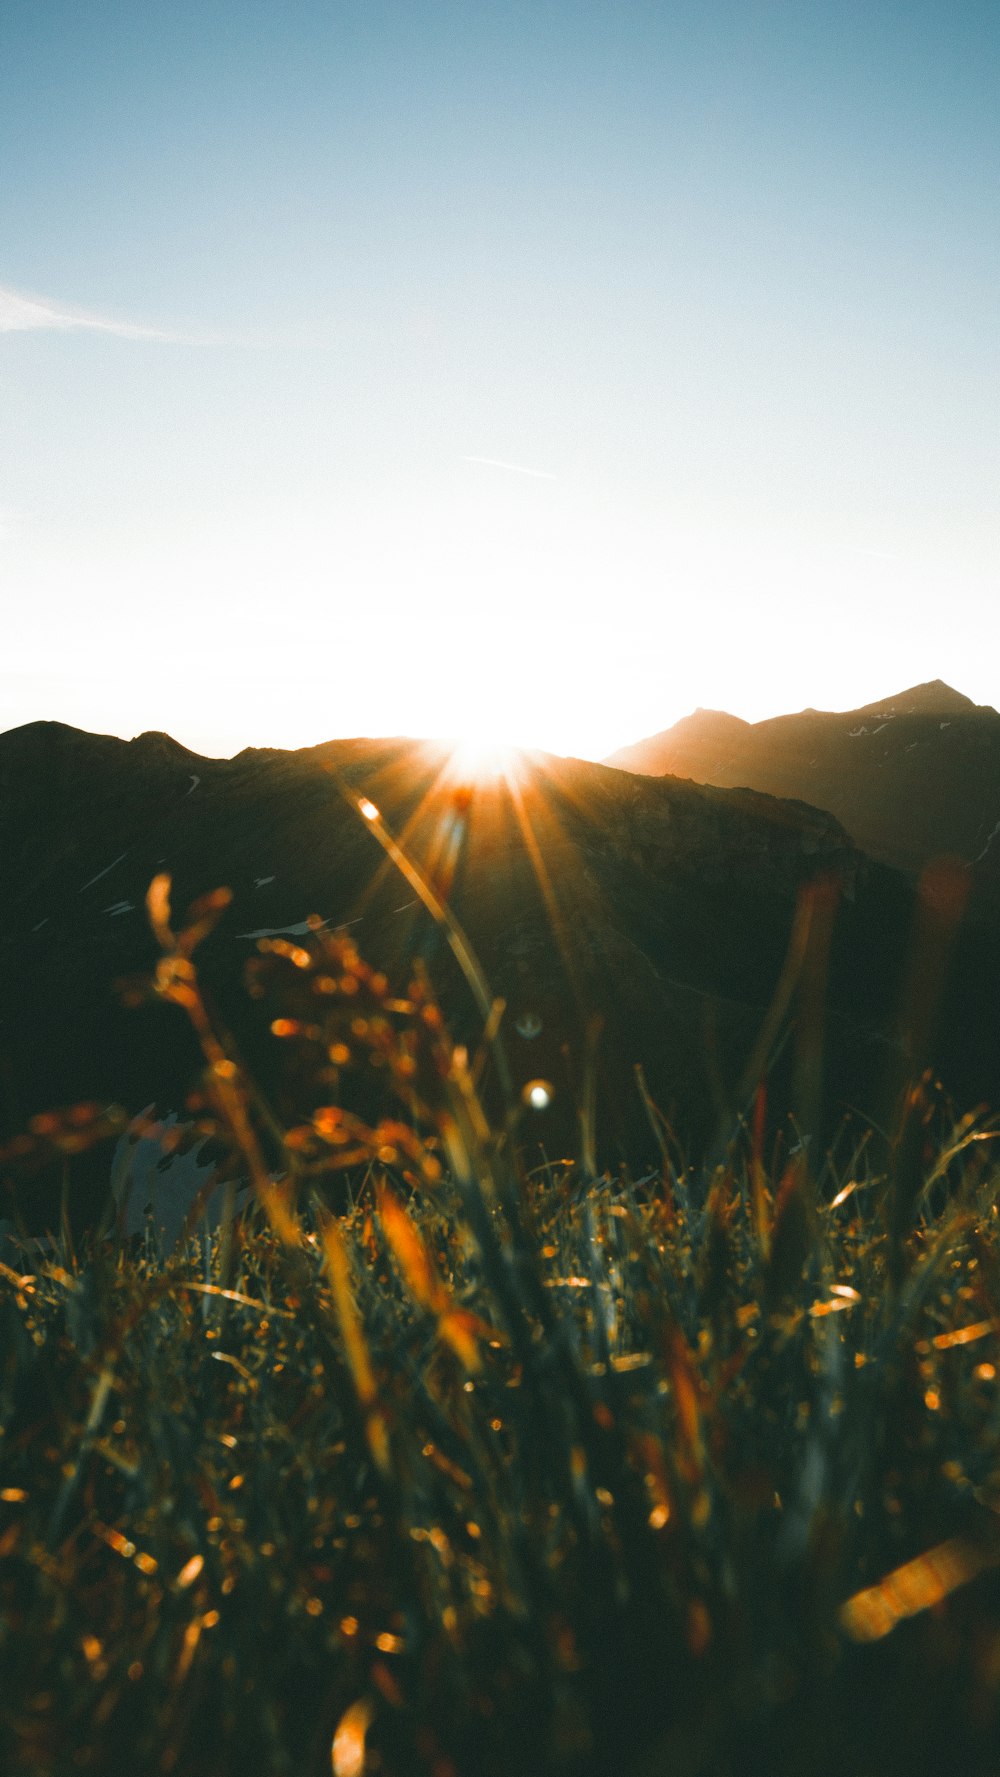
(516, 468)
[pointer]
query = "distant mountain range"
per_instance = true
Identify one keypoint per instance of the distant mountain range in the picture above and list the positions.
(659, 907)
(911, 777)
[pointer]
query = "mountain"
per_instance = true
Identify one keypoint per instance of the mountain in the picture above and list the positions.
(911, 777)
(660, 909)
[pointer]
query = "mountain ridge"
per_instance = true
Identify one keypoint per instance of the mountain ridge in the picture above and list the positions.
(909, 776)
(659, 907)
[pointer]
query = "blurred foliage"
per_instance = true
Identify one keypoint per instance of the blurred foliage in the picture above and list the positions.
(434, 1463)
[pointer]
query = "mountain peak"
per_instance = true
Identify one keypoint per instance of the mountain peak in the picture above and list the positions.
(705, 713)
(933, 698)
(153, 743)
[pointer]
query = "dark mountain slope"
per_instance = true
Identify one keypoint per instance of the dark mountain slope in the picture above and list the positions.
(661, 907)
(911, 777)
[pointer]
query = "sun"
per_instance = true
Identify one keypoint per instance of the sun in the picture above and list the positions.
(482, 759)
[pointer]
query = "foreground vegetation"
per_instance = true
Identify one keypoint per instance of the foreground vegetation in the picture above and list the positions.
(435, 1463)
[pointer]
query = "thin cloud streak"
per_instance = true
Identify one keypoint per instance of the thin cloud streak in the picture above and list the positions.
(515, 468)
(20, 313)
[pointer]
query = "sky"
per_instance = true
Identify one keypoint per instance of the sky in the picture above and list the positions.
(530, 369)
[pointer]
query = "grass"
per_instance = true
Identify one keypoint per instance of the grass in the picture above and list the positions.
(439, 1463)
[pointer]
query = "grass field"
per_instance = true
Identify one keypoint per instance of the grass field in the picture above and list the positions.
(505, 1467)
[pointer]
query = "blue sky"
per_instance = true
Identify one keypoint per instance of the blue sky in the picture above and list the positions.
(292, 295)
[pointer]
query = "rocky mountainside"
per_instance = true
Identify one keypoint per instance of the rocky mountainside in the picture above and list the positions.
(657, 907)
(911, 777)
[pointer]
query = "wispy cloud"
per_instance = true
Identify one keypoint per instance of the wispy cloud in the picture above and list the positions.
(20, 313)
(515, 468)
(874, 554)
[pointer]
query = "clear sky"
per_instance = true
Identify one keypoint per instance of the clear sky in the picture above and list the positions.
(542, 368)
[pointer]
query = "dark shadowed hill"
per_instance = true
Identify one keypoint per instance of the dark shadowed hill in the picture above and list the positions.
(911, 777)
(657, 908)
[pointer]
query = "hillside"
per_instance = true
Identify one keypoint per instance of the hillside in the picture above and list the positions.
(910, 777)
(660, 908)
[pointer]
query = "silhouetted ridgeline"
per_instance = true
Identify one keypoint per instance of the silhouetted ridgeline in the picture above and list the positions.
(659, 907)
(911, 777)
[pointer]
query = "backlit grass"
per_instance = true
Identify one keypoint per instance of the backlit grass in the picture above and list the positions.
(643, 1504)
(442, 1462)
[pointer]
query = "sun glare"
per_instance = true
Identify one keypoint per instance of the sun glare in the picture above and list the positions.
(481, 759)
